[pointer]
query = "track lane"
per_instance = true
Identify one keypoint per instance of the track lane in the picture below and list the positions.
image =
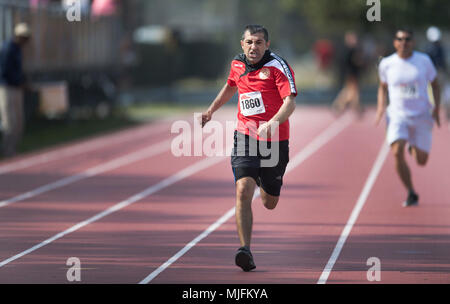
(82, 146)
(292, 243)
(16, 187)
(412, 244)
(40, 174)
(32, 220)
(127, 225)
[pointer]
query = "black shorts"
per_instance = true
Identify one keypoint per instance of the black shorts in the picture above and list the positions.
(264, 161)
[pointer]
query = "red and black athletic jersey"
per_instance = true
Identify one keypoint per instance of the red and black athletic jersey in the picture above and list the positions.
(262, 88)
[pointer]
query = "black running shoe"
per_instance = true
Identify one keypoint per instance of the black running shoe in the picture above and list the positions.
(244, 259)
(412, 200)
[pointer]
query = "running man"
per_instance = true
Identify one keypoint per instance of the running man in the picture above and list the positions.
(406, 75)
(266, 87)
(352, 67)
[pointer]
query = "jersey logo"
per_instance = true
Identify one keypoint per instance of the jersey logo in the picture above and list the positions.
(264, 73)
(238, 65)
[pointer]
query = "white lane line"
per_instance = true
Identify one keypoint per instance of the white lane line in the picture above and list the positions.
(334, 129)
(384, 151)
(127, 159)
(188, 171)
(75, 149)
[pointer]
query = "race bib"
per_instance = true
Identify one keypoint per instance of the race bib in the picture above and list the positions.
(407, 91)
(251, 104)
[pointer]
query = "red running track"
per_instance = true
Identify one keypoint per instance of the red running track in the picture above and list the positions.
(126, 220)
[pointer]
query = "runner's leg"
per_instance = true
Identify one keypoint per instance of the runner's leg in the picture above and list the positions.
(398, 150)
(245, 188)
(269, 201)
(420, 156)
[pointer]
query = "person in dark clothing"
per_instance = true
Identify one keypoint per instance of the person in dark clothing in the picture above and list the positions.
(266, 87)
(352, 65)
(12, 83)
(436, 51)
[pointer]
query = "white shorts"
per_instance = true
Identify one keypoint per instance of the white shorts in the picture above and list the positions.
(415, 130)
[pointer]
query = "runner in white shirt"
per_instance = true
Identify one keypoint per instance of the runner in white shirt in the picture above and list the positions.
(405, 76)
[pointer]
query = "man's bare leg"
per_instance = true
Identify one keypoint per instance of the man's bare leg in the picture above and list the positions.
(420, 156)
(398, 149)
(269, 201)
(245, 188)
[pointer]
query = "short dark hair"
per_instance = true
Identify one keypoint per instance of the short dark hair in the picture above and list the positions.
(404, 29)
(255, 28)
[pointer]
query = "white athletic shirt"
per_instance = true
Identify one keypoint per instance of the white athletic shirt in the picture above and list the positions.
(407, 81)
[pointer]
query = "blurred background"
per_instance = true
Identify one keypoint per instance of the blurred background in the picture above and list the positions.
(100, 65)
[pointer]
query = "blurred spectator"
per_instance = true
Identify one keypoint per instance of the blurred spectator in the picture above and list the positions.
(324, 52)
(435, 49)
(352, 65)
(12, 84)
(104, 8)
(437, 54)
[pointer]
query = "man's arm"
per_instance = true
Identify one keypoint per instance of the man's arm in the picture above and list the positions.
(280, 117)
(222, 98)
(381, 101)
(437, 100)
